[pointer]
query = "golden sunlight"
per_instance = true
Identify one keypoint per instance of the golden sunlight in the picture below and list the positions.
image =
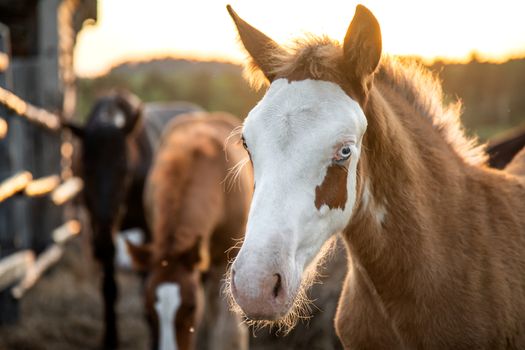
(142, 29)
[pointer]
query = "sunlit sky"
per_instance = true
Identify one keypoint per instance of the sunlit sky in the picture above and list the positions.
(202, 29)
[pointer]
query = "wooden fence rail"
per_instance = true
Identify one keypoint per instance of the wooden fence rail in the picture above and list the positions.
(67, 190)
(42, 186)
(23, 267)
(3, 128)
(15, 266)
(14, 184)
(67, 231)
(45, 260)
(32, 113)
(23, 182)
(4, 61)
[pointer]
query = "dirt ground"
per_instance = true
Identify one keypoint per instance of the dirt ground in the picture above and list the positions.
(64, 311)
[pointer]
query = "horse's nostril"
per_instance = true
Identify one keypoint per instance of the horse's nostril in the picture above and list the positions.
(277, 288)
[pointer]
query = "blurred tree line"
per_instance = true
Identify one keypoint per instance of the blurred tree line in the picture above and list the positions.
(493, 95)
(216, 86)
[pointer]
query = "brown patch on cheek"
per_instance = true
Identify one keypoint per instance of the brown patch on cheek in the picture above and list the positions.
(332, 191)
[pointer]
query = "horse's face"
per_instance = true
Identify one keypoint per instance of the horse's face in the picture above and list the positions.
(173, 295)
(304, 139)
(172, 305)
(105, 155)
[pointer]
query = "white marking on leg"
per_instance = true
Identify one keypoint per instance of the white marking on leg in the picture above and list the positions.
(122, 257)
(168, 302)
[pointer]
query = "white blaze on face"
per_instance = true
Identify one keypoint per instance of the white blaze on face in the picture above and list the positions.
(117, 118)
(168, 302)
(292, 135)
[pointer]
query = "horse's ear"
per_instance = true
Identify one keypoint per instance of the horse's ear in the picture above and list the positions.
(134, 107)
(362, 45)
(261, 48)
(197, 256)
(77, 130)
(140, 255)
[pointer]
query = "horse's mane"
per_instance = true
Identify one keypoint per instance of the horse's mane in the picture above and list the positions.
(424, 90)
(321, 57)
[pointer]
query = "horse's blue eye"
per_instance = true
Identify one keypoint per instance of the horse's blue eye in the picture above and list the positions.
(344, 153)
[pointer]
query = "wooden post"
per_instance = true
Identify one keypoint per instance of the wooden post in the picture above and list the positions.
(8, 305)
(43, 70)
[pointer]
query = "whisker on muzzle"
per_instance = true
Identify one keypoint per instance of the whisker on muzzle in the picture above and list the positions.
(302, 304)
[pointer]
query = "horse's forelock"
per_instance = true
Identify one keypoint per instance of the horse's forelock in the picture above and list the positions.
(320, 58)
(306, 58)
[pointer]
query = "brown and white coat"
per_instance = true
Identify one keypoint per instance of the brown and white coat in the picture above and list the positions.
(436, 240)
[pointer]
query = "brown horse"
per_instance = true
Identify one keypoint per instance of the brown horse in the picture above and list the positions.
(347, 141)
(194, 219)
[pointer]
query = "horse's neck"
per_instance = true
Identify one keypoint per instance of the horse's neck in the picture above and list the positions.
(406, 169)
(424, 223)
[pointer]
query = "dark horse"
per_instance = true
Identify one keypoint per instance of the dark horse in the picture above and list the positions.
(118, 143)
(502, 150)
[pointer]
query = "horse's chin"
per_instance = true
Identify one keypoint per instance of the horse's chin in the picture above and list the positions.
(266, 318)
(277, 314)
